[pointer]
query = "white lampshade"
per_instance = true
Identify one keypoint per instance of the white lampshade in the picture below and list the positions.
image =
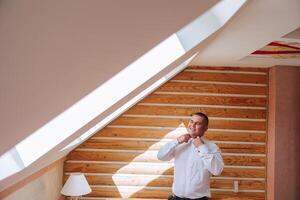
(76, 185)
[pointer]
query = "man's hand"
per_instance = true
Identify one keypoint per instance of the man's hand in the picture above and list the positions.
(197, 141)
(183, 138)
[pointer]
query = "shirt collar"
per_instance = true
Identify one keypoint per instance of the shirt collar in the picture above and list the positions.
(203, 138)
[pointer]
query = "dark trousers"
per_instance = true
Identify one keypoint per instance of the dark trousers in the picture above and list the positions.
(174, 197)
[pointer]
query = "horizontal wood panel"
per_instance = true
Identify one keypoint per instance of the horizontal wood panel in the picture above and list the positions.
(122, 144)
(151, 157)
(187, 111)
(221, 77)
(235, 69)
(164, 193)
(251, 185)
(133, 133)
(114, 156)
(168, 134)
(213, 124)
(212, 88)
(153, 169)
(130, 181)
(243, 172)
(159, 181)
(216, 195)
(118, 168)
(128, 192)
(205, 100)
(242, 148)
(244, 160)
(233, 136)
(149, 145)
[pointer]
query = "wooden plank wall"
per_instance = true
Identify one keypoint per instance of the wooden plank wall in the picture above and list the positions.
(120, 160)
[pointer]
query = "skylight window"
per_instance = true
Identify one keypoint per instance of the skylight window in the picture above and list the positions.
(99, 100)
(112, 91)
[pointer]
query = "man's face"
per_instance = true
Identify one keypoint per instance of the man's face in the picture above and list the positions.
(197, 126)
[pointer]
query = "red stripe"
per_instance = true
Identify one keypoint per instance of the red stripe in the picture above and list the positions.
(282, 45)
(275, 52)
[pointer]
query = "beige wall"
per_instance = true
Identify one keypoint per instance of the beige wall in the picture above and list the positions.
(284, 133)
(45, 187)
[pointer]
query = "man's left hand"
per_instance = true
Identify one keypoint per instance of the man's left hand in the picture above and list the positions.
(198, 141)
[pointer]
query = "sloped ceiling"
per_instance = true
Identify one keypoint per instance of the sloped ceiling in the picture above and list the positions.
(53, 53)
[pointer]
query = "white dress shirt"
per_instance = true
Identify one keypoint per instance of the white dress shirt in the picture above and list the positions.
(192, 166)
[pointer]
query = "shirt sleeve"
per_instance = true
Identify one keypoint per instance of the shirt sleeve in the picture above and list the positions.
(212, 158)
(166, 152)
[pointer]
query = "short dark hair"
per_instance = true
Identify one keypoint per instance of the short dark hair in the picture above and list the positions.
(204, 116)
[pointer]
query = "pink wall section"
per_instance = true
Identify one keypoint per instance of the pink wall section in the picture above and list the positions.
(271, 135)
(284, 135)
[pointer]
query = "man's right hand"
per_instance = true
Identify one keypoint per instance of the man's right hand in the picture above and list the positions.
(183, 138)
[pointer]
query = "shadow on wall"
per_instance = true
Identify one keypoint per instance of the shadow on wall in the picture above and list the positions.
(159, 173)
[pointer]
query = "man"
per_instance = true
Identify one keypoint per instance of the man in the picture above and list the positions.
(196, 159)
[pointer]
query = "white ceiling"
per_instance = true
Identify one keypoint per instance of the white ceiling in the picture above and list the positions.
(257, 24)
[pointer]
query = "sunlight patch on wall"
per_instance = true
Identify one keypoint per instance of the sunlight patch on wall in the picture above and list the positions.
(118, 177)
